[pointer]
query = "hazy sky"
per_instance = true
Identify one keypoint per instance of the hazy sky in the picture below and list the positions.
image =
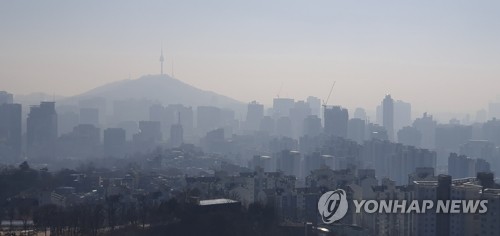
(438, 55)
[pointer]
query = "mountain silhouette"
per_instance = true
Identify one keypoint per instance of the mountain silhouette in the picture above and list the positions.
(161, 88)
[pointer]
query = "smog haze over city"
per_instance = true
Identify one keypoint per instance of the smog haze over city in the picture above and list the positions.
(249, 117)
(415, 50)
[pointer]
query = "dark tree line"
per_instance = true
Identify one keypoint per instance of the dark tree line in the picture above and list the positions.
(190, 220)
(142, 217)
(103, 218)
(85, 219)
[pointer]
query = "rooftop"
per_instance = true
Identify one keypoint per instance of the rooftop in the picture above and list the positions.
(216, 202)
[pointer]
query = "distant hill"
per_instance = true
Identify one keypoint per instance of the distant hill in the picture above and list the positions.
(162, 88)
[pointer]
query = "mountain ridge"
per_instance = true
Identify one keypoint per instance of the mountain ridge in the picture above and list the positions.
(161, 88)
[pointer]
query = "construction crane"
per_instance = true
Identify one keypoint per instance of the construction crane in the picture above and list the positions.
(279, 91)
(325, 102)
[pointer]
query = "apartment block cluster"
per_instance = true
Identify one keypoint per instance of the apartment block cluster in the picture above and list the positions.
(285, 156)
(296, 202)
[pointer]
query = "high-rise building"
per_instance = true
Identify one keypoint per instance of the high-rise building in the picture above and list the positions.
(482, 149)
(312, 126)
(356, 130)
(336, 121)
(229, 122)
(151, 130)
(289, 162)
(443, 193)
(427, 127)
(396, 223)
(6, 97)
(10, 132)
(176, 133)
(41, 133)
(255, 113)
(449, 138)
(312, 162)
(491, 131)
(410, 136)
(187, 119)
(267, 125)
(267, 163)
(156, 112)
(461, 166)
(164, 115)
(432, 223)
(394, 160)
(388, 116)
(208, 118)
(149, 136)
(282, 106)
(284, 127)
(376, 132)
(489, 222)
(82, 142)
(315, 105)
(402, 115)
(88, 132)
(214, 141)
(298, 113)
(130, 127)
(114, 143)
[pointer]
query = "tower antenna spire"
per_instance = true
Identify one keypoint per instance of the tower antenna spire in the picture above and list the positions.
(173, 68)
(162, 59)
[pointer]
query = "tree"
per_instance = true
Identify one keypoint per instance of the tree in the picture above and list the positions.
(25, 209)
(112, 206)
(143, 209)
(11, 213)
(44, 217)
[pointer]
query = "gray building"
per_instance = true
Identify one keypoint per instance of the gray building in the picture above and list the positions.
(42, 131)
(336, 121)
(6, 97)
(388, 116)
(114, 142)
(255, 113)
(10, 132)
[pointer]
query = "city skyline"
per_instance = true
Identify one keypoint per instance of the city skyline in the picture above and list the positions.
(372, 113)
(255, 51)
(314, 118)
